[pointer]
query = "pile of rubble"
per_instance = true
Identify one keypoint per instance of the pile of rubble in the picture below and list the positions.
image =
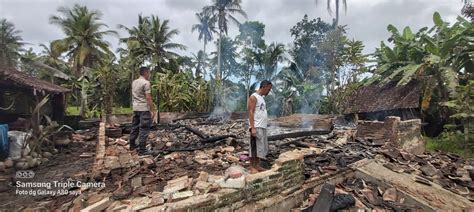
(355, 193)
(189, 135)
(450, 171)
(197, 156)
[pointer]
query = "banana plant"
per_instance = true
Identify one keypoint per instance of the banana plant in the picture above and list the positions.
(440, 57)
(463, 108)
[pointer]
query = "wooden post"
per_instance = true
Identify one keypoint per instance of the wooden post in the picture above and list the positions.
(58, 106)
(158, 105)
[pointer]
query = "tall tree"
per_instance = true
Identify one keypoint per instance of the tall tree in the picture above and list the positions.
(84, 42)
(52, 57)
(205, 28)
(224, 11)
(268, 60)
(151, 41)
(310, 61)
(354, 59)
(10, 44)
(332, 49)
(201, 62)
(338, 3)
(251, 38)
(229, 58)
(468, 10)
(306, 52)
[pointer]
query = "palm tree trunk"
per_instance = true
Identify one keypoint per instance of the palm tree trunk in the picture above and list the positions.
(83, 99)
(219, 73)
(337, 14)
(82, 108)
(202, 60)
(249, 76)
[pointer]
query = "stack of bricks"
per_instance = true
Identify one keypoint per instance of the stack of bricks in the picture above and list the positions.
(401, 134)
(285, 177)
(100, 151)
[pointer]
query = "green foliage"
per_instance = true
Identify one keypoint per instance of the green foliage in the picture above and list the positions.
(150, 42)
(442, 52)
(306, 52)
(463, 110)
(251, 34)
(268, 60)
(440, 57)
(229, 56)
(223, 11)
(10, 44)
(73, 110)
(452, 142)
(325, 70)
(180, 92)
(122, 110)
(205, 27)
(84, 44)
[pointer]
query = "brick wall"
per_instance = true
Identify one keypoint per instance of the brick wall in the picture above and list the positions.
(403, 134)
(286, 176)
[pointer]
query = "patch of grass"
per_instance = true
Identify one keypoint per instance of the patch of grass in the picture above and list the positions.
(122, 110)
(450, 142)
(72, 110)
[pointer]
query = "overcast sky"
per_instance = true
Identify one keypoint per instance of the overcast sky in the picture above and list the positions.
(367, 20)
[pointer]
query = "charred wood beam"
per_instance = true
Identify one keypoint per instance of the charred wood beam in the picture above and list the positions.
(196, 132)
(325, 198)
(297, 134)
(205, 143)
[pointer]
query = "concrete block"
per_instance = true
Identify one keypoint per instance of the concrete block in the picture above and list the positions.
(112, 162)
(182, 195)
(202, 186)
(232, 182)
(176, 185)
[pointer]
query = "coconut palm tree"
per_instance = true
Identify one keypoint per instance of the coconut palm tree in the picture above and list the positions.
(223, 11)
(201, 62)
(344, 3)
(269, 59)
(84, 43)
(468, 10)
(151, 41)
(206, 28)
(52, 57)
(10, 43)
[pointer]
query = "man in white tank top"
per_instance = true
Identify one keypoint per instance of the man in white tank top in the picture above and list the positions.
(258, 120)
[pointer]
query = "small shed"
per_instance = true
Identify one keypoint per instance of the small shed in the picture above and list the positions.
(19, 93)
(375, 102)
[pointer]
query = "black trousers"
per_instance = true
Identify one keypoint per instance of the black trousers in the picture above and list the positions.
(141, 128)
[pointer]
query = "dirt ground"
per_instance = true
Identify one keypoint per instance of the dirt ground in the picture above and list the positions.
(67, 164)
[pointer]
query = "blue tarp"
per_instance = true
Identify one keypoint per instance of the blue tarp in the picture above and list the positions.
(4, 144)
